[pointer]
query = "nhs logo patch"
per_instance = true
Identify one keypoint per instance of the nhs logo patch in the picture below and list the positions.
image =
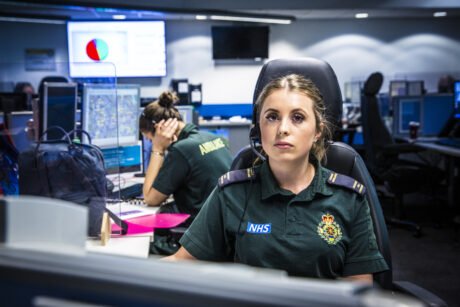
(259, 228)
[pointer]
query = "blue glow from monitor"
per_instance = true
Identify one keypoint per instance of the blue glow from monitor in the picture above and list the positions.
(110, 114)
(124, 159)
(457, 100)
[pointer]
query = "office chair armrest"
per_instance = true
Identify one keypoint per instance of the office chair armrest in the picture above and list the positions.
(425, 296)
(401, 148)
(177, 232)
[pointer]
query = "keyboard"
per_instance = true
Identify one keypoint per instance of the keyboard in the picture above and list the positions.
(128, 192)
(449, 142)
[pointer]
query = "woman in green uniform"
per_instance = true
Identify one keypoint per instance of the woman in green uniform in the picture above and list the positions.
(288, 212)
(189, 171)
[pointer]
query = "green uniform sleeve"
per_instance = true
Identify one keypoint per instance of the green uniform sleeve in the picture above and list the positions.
(172, 174)
(363, 256)
(206, 238)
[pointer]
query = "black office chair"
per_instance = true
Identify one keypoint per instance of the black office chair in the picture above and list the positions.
(383, 157)
(340, 158)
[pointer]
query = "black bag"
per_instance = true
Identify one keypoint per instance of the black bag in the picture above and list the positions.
(69, 171)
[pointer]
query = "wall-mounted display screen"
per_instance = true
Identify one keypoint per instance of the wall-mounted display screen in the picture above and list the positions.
(239, 42)
(116, 48)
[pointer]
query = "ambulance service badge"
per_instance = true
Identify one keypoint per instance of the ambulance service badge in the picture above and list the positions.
(329, 230)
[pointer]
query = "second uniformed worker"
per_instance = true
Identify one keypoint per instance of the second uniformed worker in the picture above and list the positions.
(189, 171)
(288, 212)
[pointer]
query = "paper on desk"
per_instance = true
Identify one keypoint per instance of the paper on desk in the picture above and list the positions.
(148, 223)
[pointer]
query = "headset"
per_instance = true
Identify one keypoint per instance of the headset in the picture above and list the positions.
(254, 133)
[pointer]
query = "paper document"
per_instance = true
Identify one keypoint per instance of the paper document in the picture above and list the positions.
(128, 210)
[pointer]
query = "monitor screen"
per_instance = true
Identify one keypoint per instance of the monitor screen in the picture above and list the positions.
(123, 159)
(239, 42)
(59, 107)
(356, 87)
(415, 88)
(409, 111)
(457, 100)
(398, 88)
(186, 112)
(110, 114)
(135, 48)
(10, 102)
(18, 129)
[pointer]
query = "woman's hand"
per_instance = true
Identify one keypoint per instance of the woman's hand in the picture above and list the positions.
(165, 134)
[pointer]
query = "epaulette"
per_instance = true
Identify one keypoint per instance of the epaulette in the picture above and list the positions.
(239, 175)
(347, 182)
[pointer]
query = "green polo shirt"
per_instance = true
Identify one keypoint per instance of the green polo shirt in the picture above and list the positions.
(324, 231)
(191, 168)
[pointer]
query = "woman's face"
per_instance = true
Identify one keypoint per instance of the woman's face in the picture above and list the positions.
(288, 126)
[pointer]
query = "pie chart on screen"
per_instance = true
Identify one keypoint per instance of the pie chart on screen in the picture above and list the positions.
(97, 49)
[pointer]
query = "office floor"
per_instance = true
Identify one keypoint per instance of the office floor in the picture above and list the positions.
(433, 260)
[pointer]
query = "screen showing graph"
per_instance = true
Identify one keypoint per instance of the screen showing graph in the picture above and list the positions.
(110, 114)
(135, 48)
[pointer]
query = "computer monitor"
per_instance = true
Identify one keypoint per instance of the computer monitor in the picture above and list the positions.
(58, 108)
(110, 114)
(186, 112)
(398, 88)
(415, 88)
(41, 277)
(17, 128)
(123, 159)
(457, 100)
(407, 110)
(452, 126)
(356, 87)
(10, 102)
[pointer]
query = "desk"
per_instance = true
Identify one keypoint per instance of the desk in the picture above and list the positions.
(450, 154)
(132, 246)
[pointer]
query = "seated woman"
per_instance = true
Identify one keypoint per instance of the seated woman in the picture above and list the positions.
(189, 171)
(288, 212)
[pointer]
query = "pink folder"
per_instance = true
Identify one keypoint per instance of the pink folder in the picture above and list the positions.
(148, 223)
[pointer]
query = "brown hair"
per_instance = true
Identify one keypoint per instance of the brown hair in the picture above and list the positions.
(162, 108)
(304, 86)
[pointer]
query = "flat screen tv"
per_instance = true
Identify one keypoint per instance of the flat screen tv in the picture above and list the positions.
(239, 42)
(116, 48)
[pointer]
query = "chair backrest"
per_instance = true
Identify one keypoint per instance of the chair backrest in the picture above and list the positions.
(340, 157)
(318, 71)
(375, 133)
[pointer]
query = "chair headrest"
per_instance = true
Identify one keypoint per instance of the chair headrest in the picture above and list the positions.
(318, 71)
(373, 84)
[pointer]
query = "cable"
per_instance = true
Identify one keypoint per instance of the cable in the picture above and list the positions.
(253, 147)
(242, 216)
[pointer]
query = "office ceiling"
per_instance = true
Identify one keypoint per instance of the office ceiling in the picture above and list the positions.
(188, 9)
